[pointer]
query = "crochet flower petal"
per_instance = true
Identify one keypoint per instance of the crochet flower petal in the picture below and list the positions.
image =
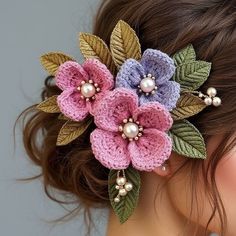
(159, 64)
(71, 105)
(167, 94)
(154, 115)
(130, 74)
(92, 104)
(151, 151)
(69, 75)
(99, 73)
(114, 107)
(110, 149)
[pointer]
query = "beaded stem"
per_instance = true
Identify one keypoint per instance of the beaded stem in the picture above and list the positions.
(123, 186)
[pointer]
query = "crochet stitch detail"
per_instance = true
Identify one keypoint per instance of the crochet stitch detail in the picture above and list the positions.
(159, 65)
(151, 151)
(69, 77)
(116, 106)
(114, 152)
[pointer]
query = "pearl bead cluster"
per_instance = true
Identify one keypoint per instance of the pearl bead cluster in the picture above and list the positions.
(131, 129)
(123, 186)
(88, 90)
(147, 85)
(211, 98)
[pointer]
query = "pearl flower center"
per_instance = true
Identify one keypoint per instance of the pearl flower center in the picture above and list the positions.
(88, 90)
(131, 129)
(148, 85)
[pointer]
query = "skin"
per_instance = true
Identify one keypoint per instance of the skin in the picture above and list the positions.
(226, 182)
(165, 212)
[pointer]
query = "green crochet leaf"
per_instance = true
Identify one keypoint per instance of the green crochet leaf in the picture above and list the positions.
(127, 204)
(188, 105)
(187, 140)
(192, 75)
(185, 55)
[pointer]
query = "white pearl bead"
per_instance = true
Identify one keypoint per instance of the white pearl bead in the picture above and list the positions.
(117, 199)
(131, 130)
(163, 168)
(128, 186)
(88, 90)
(117, 187)
(208, 101)
(147, 85)
(211, 92)
(200, 95)
(216, 101)
(122, 192)
(121, 181)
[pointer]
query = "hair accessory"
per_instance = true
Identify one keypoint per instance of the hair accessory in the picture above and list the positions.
(139, 103)
(123, 186)
(82, 86)
(150, 78)
(211, 98)
(164, 167)
(143, 132)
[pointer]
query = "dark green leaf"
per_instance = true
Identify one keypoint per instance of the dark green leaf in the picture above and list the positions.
(192, 75)
(185, 55)
(127, 204)
(187, 140)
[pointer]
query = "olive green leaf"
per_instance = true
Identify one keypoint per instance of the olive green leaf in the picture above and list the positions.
(124, 44)
(51, 61)
(188, 105)
(49, 105)
(187, 140)
(192, 75)
(71, 130)
(185, 55)
(63, 117)
(127, 204)
(91, 46)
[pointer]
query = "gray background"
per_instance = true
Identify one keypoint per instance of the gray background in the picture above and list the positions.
(28, 29)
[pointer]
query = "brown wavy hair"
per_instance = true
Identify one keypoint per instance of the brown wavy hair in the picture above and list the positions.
(169, 26)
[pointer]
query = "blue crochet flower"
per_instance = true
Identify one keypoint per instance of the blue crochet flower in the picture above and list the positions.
(150, 78)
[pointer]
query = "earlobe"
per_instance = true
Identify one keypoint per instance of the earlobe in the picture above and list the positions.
(163, 170)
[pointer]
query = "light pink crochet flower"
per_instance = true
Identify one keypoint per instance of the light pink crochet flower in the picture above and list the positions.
(83, 86)
(142, 141)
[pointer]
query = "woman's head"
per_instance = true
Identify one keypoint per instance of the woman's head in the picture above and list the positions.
(168, 26)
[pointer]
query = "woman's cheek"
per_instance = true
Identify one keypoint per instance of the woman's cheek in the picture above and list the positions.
(226, 169)
(226, 176)
(226, 183)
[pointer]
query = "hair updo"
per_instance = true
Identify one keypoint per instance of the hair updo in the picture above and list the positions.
(168, 26)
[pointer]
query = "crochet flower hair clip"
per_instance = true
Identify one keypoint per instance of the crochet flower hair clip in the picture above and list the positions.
(139, 102)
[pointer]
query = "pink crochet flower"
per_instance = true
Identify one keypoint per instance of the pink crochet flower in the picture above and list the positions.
(83, 86)
(128, 133)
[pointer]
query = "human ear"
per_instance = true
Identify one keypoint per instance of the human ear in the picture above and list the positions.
(170, 165)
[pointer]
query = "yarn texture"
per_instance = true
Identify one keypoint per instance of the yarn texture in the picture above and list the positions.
(69, 77)
(115, 152)
(159, 65)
